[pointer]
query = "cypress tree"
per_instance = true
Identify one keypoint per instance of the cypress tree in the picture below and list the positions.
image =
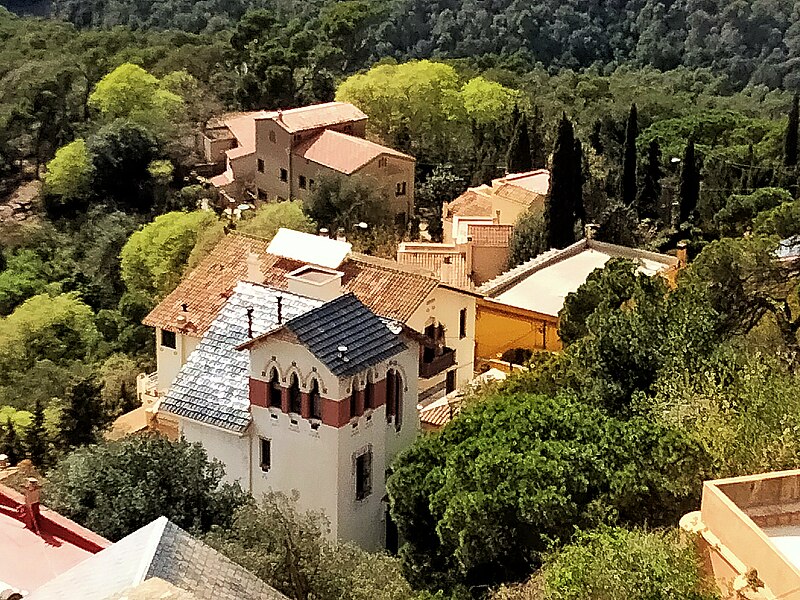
(690, 183)
(629, 158)
(519, 151)
(650, 194)
(35, 442)
(579, 209)
(559, 209)
(83, 416)
(538, 153)
(790, 140)
(3, 261)
(10, 445)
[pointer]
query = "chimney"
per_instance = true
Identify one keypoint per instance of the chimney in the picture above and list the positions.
(315, 282)
(185, 307)
(589, 230)
(279, 118)
(253, 268)
(340, 235)
(497, 218)
(446, 270)
(250, 322)
(324, 232)
(682, 252)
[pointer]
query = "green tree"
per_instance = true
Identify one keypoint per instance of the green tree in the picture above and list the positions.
(70, 174)
(36, 436)
(565, 187)
(619, 563)
(154, 258)
(114, 488)
(740, 210)
(83, 415)
(650, 193)
(343, 202)
(519, 158)
(529, 237)
(689, 184)
(629, 191)
(538, 150)
(11, 446)
(791, 135)
(290, 550)
(442, 185)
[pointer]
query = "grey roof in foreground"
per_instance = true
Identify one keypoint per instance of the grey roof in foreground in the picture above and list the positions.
(346, 336)
(212, 387)
(164, 550)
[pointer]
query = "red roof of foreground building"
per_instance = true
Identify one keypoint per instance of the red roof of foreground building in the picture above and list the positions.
(28, 559)
(344, 153)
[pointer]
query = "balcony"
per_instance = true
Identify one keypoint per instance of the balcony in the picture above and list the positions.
(430, 366)
(147, 387)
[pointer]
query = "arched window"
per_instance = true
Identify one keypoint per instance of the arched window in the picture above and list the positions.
(294, 394)
(394, 398)
(369, 394)
(275, 392)
(315, 400)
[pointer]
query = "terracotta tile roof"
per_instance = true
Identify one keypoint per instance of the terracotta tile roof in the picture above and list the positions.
(388, 288)
(537, 181)
(207, 287)
(316, 116)
(444, 261)
(342, 152)
(519, 195)
(494, 236)
(438, 414)
(475, 202)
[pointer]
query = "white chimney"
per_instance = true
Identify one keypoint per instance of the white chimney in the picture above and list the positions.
(254, 268)
(315, 282)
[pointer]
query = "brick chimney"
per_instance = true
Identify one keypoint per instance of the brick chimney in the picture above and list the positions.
(589, 230)
(254, 269)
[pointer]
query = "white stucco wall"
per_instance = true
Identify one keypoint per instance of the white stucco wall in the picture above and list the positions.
(229, 448)
(169, 361)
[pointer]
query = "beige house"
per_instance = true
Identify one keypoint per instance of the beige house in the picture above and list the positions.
(748, 535)
(279, 155)
(501, 203)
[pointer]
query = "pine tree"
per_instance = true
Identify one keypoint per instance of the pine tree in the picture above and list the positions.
(690, 183)
(83, 415)
(10, 446)
(519, 151)
(35, 436)
(3, 261)
(650, 194)
(559, 210)
(538, 152)
(791, 138)
(629, 158)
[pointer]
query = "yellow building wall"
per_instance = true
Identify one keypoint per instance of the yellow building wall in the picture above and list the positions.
(499, 327)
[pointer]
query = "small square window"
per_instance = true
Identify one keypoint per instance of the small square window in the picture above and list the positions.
(265, 454)
(400, 189)
(364, 475)
(284, 175)
(168, 339)
(302, 182)
(260, 165)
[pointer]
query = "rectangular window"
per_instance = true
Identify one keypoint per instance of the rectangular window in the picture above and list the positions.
(462, 323)
(265, 455)
(364, 475)
(284, 175)
(450, 384)
(260, 165)
(354, 403)
(168, 339)
(302, 182)
(369, 395)
(400, 189)
(311, 184)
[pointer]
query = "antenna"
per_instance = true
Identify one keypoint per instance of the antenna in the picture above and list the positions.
(279, 298)
(250, 322)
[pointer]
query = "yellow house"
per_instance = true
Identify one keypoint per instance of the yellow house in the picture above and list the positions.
(519, 309)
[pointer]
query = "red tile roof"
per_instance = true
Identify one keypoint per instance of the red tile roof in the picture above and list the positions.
(448, 264)
(537, 181)
(386, 287)
(342, 152)
(471, 203)
(315, 116)
(490, 235)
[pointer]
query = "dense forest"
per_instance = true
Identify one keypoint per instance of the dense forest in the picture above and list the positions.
(661, 121)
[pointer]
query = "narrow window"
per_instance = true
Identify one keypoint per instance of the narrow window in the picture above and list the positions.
(275, 392)
(316, 400)
(294, 394)
(390, 396)
(302, 182)
(450, 383)
(265, 454)
(311, 184)
(354, 403)
(272, 136)
(284, 175)
(369, 395)
(394, 399)
(260, 165)
(364, 475)
(462, 324)
(168, 339)
(400, 189)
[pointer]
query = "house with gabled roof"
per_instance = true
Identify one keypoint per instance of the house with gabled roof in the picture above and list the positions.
(282, 155)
